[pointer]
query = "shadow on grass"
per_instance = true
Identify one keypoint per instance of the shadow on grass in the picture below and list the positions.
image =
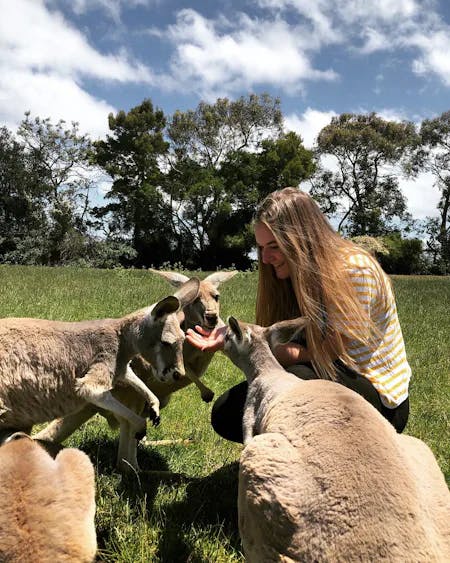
(210, 502)
(136, 490)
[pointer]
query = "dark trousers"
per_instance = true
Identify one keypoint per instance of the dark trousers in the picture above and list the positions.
(228, 409)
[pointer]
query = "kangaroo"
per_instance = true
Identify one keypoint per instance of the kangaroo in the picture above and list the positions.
(323, 475)
(52, 368)
(203, 310)
(47, 505)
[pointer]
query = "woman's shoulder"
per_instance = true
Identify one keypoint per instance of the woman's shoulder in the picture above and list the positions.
(364, 270)
(358, 259)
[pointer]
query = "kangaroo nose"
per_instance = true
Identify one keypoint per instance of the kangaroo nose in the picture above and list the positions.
(211, 319)
(177, 375)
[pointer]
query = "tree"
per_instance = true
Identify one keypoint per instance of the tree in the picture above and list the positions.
(211, 131)
(192, 192)
(433, 155)
(249, 177)
(225, 157)
(363, 189)
(137, 207)
(21, 202)
(284, 162)
(58, 160)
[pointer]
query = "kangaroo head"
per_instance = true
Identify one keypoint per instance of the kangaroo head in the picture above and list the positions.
(242, 338)
(162, 337)
(204, 310)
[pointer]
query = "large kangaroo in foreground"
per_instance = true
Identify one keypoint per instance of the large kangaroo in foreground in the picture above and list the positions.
(47, 506)
(323, 475)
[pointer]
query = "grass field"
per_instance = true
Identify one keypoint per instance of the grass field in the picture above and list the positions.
(193, 518)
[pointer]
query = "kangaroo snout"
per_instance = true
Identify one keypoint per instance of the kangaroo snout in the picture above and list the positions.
(177, 375)
(211, 319)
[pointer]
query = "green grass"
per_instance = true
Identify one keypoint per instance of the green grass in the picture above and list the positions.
(193, 517)
(424, 311)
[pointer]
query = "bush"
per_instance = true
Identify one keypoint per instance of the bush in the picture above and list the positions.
(405, 256)
(396, 255)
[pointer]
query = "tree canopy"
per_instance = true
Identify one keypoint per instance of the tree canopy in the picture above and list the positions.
(183, 188)
(225, 157)
(433, 154)
(364, 190)
(131, 155)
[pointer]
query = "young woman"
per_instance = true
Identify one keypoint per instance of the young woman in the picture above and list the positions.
(354, 338)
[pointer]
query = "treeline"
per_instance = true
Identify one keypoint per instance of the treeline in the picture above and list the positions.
(182, 189)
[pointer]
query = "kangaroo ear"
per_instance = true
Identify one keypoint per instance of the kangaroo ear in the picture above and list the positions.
(188, 291)
(287, 331)
(219, 277)
(164, 307)
(176, 279)
(235, 327)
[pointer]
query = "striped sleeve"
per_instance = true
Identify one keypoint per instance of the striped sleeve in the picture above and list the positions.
(384, 361)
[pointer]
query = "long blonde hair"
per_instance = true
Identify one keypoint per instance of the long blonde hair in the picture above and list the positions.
(319, 286)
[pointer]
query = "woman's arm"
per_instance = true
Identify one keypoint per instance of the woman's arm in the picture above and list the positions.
(290, 354)
(210, 341)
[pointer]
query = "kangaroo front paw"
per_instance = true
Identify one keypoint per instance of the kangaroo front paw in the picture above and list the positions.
(152, 412)
(155, 418)
(208, 395)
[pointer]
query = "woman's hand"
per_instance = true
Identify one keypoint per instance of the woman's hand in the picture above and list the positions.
(207, 340)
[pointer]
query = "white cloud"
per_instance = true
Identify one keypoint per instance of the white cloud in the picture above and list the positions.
(34, 38)
(325, 13)
(390, 114)
(422, 196)
(219, 60)
(216, 57)
(112, 8)
(309, 124)
(318, 13)
(384, 11)
(385, 25)
(43, 61)
(54, 96)
(434, 56)
(374, 40)
(379, 25)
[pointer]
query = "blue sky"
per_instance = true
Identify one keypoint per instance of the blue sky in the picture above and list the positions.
(81, 59)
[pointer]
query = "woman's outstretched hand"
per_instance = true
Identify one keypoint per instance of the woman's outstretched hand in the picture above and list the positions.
(207, 340)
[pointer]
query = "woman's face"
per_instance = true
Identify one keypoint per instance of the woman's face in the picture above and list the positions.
(270, 253)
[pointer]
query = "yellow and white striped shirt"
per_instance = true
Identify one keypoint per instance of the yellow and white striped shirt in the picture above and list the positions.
(384, 363)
